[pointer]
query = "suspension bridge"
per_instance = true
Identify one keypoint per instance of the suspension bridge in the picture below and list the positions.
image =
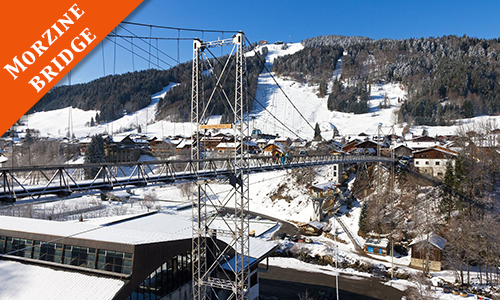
(36, 181)
(211, 277)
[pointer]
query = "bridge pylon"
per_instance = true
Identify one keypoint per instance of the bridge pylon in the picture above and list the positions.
(220, 253)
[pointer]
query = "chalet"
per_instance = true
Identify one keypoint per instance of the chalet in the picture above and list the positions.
(226, 147)
(421, 145)
(377, 246)
(160, 146)
(368, 145)
(433, 161)
(261, 143)
(121, 149)
(211, 142)
(351, 145)
(285, 142)
(84, 144)
(403, 150)
(428, 248)
(230, 147)
(184, 145)
(271, 149)
(322, 190)
(313, 227)
(298, 144)
(423, 138)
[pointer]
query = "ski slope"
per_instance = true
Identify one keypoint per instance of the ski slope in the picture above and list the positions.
(303, 98)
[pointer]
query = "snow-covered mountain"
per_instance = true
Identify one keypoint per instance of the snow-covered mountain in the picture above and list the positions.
(303, 98)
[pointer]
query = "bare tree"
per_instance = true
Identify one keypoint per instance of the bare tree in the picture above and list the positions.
(421, 289)
(149, 200)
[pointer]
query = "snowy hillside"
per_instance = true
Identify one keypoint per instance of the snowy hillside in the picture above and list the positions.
(303, 96)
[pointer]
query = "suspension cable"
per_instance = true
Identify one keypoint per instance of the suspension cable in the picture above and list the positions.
(123, 47)
(145, 51)
(279, 86)
(178, 28)
(143, 40)
(255, 99)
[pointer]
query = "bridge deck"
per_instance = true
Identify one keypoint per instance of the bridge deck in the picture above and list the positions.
(67, 179)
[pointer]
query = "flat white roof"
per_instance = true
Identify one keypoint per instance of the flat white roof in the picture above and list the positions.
(23, 281)
(160, 227)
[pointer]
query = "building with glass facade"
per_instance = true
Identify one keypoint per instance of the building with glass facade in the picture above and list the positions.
(149, 254)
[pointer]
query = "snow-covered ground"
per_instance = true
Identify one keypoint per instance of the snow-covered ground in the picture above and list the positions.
(173, 198)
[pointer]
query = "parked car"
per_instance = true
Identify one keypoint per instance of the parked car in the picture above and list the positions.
(281, 235)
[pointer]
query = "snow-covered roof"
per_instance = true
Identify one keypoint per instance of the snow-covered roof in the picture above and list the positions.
(421, 145)
(184, 143)
(396, 146)
(316, 224)
(440, 149)
(24, 281)
(258, 247)
(434, 239)
(226, 145)
(373, 242)
(85, 140)
(323, 186)
(160, 227)
(3, 159)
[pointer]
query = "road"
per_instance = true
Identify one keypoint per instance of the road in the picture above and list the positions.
(288, 284)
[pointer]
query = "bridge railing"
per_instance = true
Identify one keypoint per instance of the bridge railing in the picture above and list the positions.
(36, 181)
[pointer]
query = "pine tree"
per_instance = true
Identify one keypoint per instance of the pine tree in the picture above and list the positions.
(446, 205)
(317, 133)
(94, 153)
(362, 218)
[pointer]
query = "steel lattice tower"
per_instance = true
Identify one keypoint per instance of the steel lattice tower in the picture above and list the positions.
(221, 270)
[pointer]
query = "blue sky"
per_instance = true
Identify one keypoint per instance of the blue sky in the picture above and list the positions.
(289, 21)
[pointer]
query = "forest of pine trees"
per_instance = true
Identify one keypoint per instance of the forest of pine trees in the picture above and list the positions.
(116, 95)
(446, 78)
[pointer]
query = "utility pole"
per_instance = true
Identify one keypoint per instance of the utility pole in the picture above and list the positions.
(336, 258)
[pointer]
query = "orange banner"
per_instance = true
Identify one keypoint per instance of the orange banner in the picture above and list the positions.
(43, 40)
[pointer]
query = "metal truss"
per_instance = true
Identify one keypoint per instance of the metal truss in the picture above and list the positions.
(214, 276)
(37, 181)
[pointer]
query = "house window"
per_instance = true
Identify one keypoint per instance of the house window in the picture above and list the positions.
(335, 167)
(437, 163)
(440, 174)
(426, 162)
(417, 162)
(427, 155)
